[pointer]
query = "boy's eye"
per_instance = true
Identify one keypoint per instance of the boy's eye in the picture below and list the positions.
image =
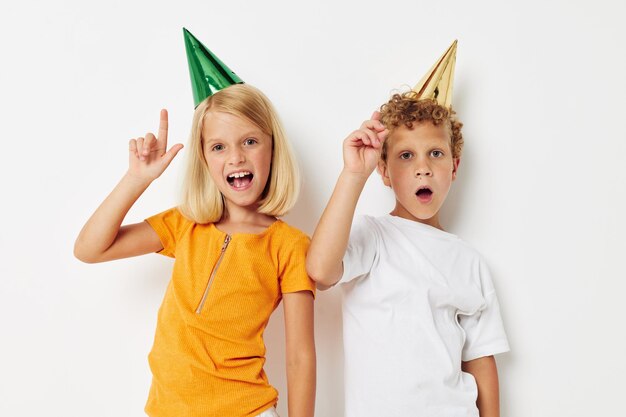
(406, 155)
(250, 141)
(437, 154)
(217, 148)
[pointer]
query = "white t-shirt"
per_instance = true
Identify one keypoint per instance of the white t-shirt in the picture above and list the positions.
(417, 302)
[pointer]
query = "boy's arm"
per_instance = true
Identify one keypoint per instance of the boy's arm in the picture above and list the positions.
(102, 238)
(300, 347)
(485, 373)
(328, 245)
(361, 151)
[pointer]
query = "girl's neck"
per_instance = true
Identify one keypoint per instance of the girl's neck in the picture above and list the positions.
(237, 219)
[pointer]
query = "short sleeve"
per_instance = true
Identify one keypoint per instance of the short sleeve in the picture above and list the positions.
(292, 275)
(361, 251)
(484, 331)
(169, 225)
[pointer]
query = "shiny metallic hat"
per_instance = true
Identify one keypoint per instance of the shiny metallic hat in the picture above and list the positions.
(208, 74)
(437, 83)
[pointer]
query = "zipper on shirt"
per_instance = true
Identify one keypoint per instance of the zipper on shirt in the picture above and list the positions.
(217, 265)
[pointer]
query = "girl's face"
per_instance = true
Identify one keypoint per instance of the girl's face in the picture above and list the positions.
(239, 157)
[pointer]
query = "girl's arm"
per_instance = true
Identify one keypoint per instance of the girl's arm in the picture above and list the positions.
(102, 238)
(485, 373)
(361, 151)
(300, 344)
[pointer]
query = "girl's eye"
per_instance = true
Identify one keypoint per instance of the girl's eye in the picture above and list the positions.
(250, 141)
(406, 155)
(218, 148)
(437, 154)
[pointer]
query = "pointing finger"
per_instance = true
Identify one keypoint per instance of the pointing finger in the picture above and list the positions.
(163, 127)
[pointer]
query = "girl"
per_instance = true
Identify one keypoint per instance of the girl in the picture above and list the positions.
(235, 261)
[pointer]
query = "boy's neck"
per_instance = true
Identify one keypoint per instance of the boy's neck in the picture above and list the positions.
(400, 211)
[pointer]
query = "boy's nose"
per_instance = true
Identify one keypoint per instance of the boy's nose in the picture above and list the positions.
(423, 171)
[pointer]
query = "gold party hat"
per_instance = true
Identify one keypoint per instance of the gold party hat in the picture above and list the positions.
(437, 83)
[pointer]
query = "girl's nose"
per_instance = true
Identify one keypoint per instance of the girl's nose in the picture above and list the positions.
(236, 157)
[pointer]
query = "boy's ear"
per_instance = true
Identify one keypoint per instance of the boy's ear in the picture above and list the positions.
(384, 172)
(455, 167)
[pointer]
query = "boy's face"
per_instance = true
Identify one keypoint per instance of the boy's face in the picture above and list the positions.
(420, 170)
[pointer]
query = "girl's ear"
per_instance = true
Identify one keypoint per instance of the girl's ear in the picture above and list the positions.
(384, 173)
(455, 167)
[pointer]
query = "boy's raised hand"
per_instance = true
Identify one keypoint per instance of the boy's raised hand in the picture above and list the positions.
(149, 157)
(361, 149)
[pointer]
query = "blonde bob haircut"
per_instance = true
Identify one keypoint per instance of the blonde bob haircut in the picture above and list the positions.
(202, 201)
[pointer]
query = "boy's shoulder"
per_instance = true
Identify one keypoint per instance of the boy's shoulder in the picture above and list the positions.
(395, 224)
(392, 230)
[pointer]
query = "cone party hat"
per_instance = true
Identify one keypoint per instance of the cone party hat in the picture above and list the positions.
(208, 74)
(437, 83)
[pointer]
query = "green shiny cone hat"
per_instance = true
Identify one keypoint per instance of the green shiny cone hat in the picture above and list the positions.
(208, 74)
(437, 83)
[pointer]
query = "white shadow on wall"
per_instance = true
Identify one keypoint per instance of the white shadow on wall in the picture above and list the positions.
(328, 323)
(451, 213)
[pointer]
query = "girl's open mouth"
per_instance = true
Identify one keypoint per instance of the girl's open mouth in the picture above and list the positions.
(240, 180)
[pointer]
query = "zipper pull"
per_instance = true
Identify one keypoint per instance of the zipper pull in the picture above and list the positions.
(226, 242)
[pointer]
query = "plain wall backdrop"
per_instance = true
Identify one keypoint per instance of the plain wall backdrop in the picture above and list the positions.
(541, 193)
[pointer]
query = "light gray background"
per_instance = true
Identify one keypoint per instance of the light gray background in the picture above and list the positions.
(541, 193)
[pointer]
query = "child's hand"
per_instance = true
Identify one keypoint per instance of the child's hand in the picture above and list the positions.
(361, 149)
(148, 156)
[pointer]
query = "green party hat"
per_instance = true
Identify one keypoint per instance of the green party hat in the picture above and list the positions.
(208, 74)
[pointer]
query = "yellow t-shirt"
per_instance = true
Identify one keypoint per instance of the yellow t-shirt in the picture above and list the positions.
(208, 353)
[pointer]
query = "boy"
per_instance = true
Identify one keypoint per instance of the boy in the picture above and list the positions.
(421, 318)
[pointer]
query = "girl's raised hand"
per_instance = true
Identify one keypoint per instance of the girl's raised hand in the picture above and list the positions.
(361, 149)
(149, 157)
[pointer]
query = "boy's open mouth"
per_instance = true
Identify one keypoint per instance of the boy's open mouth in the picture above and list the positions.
(240, 180)
(424, 193)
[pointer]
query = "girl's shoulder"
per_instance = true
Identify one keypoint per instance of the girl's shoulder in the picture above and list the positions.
(171, 219)
(290, 233)
(286, 241)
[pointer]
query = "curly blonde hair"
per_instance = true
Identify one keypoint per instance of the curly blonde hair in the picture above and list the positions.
(406, 109)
